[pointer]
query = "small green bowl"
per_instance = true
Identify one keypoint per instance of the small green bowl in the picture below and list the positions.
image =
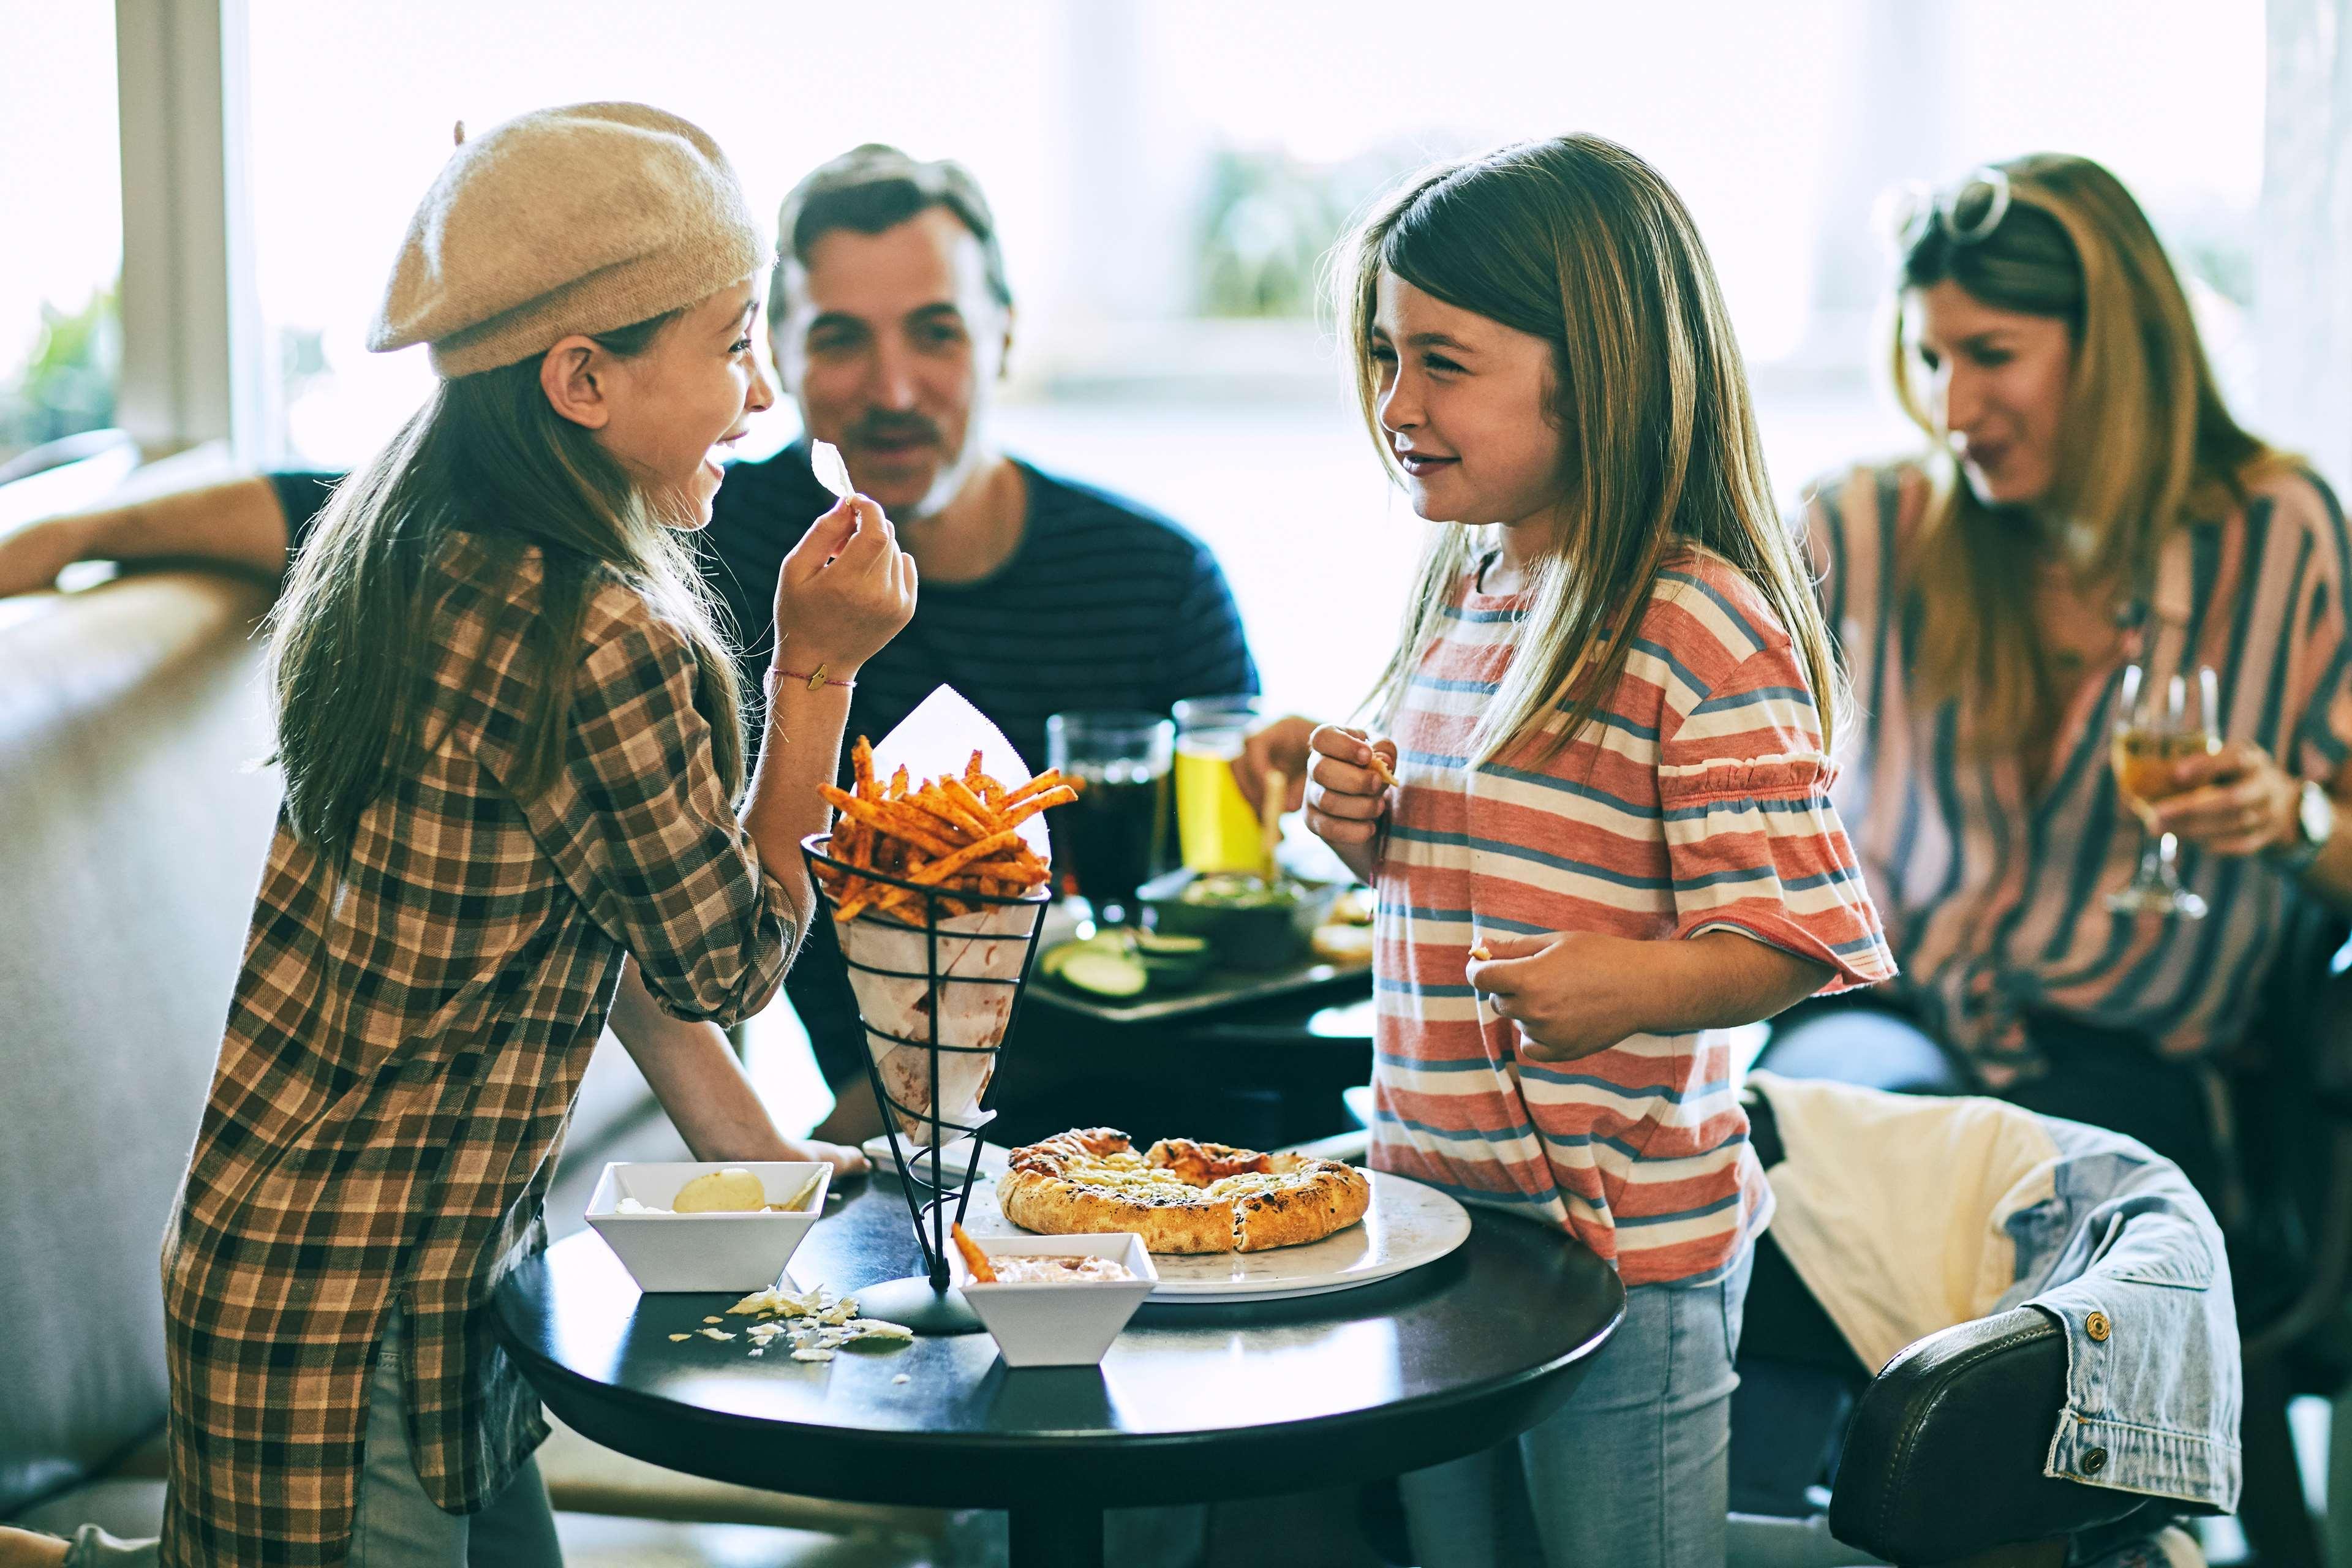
(1268, 935)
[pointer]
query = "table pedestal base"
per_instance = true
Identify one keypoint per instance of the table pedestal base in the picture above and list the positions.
(917, 1303)
(1056, 1536)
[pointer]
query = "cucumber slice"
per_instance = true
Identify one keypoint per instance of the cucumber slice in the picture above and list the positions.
(1104, 973)
(1152, 944)
(1050, 962)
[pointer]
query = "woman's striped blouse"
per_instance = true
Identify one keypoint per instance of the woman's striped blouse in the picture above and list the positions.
(1994, 893)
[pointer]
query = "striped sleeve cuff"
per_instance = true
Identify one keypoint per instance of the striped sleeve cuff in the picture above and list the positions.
(1758, 848)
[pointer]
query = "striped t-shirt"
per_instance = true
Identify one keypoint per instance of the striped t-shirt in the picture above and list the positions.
(1697, 801)
(1994, 890)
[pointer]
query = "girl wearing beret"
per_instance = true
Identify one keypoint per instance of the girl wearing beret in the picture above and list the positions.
(513, 757)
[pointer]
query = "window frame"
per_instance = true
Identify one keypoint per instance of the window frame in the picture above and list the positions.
(191, 369)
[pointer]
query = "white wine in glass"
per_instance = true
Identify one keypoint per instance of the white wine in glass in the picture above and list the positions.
(2158, 724)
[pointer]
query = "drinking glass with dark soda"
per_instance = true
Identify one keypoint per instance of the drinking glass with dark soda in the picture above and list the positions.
(1110, 839)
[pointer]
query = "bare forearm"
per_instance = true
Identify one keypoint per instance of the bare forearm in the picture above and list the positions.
(801, 752)
(240, 522)
(1721, 980)
(693, 1072)
(180, 507)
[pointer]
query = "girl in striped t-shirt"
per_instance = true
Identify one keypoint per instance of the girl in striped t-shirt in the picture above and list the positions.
(1610, 838)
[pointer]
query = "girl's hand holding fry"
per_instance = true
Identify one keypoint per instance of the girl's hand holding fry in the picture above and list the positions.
(844, 591)
(1349, 781)
(1348, 784)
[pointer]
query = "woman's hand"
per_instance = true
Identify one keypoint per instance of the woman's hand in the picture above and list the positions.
(1346, 798)
(1278, 744)
(846, 590)
(1570, 993)
(2235, 801)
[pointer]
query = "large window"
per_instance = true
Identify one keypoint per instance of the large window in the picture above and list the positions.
(1168, 178)
(61, 211)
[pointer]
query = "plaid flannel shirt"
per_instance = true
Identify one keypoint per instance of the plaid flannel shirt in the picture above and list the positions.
(402, 1053)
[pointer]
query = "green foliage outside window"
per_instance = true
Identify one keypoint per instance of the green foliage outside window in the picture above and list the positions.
(1269, 219)
(67, 386)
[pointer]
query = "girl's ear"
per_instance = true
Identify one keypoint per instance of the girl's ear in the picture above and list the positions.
(571, 376)
(1004, 349)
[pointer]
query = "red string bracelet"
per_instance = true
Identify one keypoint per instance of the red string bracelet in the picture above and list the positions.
(815, 678)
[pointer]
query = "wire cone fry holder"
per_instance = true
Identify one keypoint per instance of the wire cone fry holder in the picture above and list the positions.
(936, 1001)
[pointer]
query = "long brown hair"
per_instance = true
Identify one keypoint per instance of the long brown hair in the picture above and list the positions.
(488, 455)
(2146, 443)
(1577, 241)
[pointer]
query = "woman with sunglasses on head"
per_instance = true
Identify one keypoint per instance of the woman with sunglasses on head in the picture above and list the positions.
(2088, 529)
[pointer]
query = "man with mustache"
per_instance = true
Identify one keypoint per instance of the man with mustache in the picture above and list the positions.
(890, 320)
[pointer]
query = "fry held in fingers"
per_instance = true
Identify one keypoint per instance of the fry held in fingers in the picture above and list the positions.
(956, 832)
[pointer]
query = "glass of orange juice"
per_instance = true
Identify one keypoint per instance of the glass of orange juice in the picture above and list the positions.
(1215, 828)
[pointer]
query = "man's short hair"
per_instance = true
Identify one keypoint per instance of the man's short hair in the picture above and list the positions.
(873, 188)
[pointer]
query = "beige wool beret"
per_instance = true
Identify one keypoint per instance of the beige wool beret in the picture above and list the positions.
(582, 219)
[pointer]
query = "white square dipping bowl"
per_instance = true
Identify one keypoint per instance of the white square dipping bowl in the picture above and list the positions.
(1041, 1324)
(743, 1251)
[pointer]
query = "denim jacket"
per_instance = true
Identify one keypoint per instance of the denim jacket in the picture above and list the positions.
(1907, 1215)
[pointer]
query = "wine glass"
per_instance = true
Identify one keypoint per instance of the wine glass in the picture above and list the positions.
(2157, 723)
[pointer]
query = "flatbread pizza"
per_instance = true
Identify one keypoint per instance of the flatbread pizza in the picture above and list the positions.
(1178, 1195)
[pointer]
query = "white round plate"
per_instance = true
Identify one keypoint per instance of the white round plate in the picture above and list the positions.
(1407, 1225)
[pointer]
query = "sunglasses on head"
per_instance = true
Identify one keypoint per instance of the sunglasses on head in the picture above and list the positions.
(1967, 212)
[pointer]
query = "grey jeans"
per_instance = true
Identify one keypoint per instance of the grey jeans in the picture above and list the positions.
(395, 1525)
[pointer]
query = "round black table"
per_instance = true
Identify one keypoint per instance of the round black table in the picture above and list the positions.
(1193, 1404)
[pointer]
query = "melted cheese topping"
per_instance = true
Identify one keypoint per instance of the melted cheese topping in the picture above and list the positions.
(1126, 1173)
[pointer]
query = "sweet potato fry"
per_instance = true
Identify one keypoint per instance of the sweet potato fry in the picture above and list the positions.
(951, 837)
(933, 835)
(1060, 794)
(887, 817)
(982, 814)
(1050, 779)
(940, 870)
(973, 1258)
(944, 806)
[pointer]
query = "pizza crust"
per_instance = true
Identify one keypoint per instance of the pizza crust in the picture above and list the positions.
(1179, 1196)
